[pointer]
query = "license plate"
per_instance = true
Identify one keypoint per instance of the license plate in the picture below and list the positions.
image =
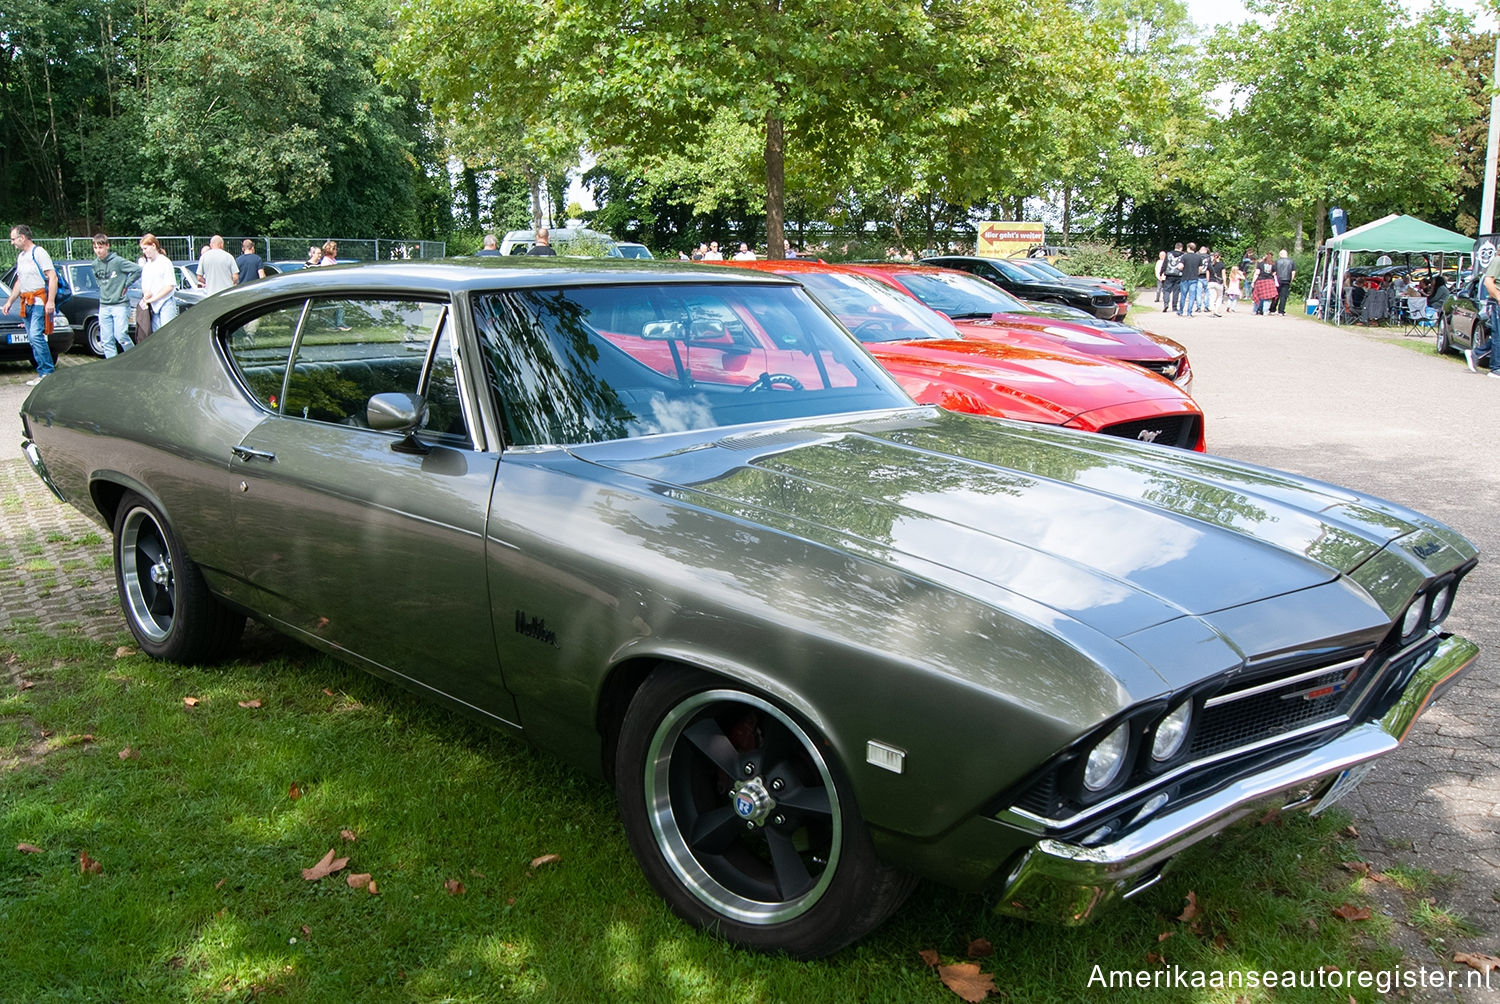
(1345, 783)
(18, 338)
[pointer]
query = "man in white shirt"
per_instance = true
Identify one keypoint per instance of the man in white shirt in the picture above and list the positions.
(36, 286)
(217, 269)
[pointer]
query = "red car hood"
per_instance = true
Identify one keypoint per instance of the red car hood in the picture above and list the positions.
(1014, 381)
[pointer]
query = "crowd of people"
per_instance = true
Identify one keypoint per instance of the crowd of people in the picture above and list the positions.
(1194, 280)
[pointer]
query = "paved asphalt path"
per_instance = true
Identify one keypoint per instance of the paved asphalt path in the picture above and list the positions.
(1365, 408)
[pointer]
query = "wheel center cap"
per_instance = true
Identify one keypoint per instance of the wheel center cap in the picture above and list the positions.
(752, 802)
(161, 573)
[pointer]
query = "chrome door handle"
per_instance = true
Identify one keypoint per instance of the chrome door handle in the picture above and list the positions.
(245, 453)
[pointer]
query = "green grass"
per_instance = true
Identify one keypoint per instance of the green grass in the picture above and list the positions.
(201, 897)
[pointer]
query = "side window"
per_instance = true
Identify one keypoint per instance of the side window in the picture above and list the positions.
(351, 350)
(260, 348)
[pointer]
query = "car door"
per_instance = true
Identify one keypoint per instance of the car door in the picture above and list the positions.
(352, 537)
(1465, 312)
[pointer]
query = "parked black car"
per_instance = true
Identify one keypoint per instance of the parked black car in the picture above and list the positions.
(82, 308)
(1017, 281)
(1461, 321)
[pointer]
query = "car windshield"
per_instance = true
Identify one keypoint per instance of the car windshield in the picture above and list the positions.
(597, 363)
(961, 295)
(634, 251)
(1041, 269)
(872, 310)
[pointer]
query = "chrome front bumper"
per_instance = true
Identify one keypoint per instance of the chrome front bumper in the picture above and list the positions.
(1067, 882)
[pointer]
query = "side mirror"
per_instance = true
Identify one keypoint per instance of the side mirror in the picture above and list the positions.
(399, 412)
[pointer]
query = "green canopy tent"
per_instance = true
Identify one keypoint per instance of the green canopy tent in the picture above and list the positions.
(1394, 234)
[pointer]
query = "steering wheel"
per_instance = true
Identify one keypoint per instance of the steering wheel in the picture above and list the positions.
(769, 380)
(874, 326)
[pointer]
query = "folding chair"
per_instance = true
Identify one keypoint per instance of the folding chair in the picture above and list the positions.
(1415, 319)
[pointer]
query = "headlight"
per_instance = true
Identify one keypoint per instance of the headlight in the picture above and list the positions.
(1413, 618)
(1443, 602)
(1172, 732)
(1106, 759)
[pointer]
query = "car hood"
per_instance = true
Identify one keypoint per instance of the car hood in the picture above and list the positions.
(1029, 383)
(1111, 534)
(1072, 334)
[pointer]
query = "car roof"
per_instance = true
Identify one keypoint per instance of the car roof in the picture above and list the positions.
(452, 275)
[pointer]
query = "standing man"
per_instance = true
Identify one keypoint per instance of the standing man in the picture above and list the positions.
(1286, 271)
(491, 248)
(1214, 267)
(216, 269)
(1171, 270)
(1192, 282)
(113, 274)
(713, 253)
(249, 264)
(543, 245)
(36, 286)
(1492, 321)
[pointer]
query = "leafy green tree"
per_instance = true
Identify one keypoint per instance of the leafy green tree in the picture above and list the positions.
(1344, 101)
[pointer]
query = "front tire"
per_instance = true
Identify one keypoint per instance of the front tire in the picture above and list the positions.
(92, 337)
(1442, 339)
(167, 604)
(742, 824)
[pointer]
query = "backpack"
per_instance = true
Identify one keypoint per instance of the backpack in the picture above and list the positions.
(1174, 264)
(64, 288)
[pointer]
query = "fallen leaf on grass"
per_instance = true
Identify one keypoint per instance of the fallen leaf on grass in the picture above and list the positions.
(1163, 936)
(1351, 912)
(362, 881)
(965, 979)
(1349, 831)
(327, 866)
(1153, 959)
(1477, 960)
(191, 702)
(347, 835)
(129, 754)
(294, 792)
(1190, 911)
(87, 737)
(87, 865)
(220, 884)
(1357, 867)
(254, 702)
(28, 849)
(980, 948)
(329, 692)
(123, 651)
(25, 685)
(545, 859)
(454, 887)
(930, 957)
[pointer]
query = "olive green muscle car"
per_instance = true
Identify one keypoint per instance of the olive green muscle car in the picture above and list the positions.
(822, 641)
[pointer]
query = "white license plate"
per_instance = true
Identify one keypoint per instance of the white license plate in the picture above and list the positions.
(1345, 783)
(18, 338)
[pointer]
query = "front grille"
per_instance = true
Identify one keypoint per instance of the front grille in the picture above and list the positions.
(1275, 704)
(1167, 430)
(1169, 368)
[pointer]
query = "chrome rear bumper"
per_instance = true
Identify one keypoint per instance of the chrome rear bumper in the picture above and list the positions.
(1068, 882)
(34, 458)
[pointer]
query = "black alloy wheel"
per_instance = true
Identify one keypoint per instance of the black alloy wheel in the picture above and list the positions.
(742, 824)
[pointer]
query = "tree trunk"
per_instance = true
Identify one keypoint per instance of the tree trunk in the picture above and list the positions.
(775, 188)
(1067, 212)
(535, 184)
(1322, 214)
(1297, 241)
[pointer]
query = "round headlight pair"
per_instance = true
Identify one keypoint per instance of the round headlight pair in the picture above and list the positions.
(1107, 759)
(1442, 602)
(1412, 619)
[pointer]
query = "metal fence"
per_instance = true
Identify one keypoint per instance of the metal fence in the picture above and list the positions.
(188, 247)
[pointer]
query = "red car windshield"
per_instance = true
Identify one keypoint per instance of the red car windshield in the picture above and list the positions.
(873, 311)
(960, 295)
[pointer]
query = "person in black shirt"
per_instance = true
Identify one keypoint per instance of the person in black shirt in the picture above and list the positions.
(1192, 281)
(543, 245)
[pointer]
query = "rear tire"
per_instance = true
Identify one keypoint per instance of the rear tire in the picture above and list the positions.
(1442, 341)
(166, 602)
(740, 822)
